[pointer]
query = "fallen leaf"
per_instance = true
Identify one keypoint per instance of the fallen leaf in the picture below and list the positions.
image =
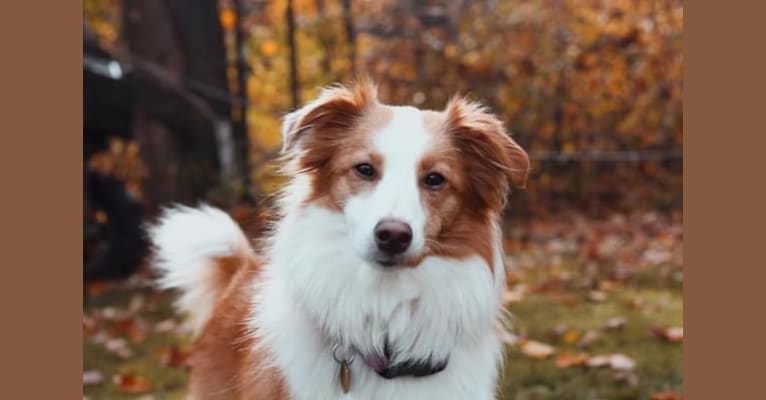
(618, 362)
(128, 383)
(621, 362)
(129, 327)
(588, 338)
(119, 347)
(92, 378)
(538, 350)
(567, 360)
(99, 337)
(634, 304)
(672, 335)
(172, 356)
(110, 313)
(657, 256)
(597, 296)
(608, 285)
(570, 336)
(615, 323)
(136, 303)
(96, 288)
(89, 324)
(165, 326)
(666, 396)
(597, 361)
(675, 334)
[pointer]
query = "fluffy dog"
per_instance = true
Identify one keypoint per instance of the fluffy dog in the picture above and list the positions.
(381, 278)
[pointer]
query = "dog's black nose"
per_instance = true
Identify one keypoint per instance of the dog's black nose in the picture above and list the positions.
(393, 236)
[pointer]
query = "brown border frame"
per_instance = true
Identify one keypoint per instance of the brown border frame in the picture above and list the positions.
(724, 270)
(723, 107)
(42, 156)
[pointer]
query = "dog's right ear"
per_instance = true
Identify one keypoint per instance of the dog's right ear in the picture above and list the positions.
(336, 108)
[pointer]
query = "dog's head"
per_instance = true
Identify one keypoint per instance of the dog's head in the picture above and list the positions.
(410, 183)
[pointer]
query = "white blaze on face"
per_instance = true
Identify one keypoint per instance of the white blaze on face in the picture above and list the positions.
(401, 144)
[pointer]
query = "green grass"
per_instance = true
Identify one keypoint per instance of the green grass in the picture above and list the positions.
(658, 363)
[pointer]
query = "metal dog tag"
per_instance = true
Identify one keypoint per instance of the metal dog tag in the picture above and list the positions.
(345, 377)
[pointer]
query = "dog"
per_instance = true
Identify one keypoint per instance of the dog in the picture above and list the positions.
(382, 276)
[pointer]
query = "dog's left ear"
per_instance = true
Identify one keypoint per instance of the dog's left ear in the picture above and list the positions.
(519, 165)
(481, 134)
(336, 108)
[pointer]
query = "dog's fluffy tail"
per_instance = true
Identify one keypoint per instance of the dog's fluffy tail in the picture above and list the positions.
(197, 251)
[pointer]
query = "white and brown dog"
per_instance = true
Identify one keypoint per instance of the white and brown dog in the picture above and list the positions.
(382, 278)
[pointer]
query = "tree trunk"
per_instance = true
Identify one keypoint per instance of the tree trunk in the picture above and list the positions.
(348, 24)
(151, 43)
(294, 86)
(326, 40)
(182, 121)
(202, 41)
(241, 138)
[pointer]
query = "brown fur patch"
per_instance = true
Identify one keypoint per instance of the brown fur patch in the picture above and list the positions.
(337, 132)
(224, 362)
(480, 161)
(226, 268)
(336, 107)
(487, 149)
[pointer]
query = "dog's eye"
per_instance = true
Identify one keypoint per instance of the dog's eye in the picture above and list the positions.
(365, 170)
(434, 180)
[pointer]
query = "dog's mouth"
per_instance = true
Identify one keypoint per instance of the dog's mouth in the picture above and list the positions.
(395, 261)
(386, 261)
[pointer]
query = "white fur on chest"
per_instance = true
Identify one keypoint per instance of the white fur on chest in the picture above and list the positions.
(316, 291)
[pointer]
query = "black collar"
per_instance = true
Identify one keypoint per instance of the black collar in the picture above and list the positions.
(416, 368)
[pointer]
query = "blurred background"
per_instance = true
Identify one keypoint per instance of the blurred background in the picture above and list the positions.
(183, 100)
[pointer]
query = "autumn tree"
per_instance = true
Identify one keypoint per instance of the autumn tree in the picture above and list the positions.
(183, 119)
(592, 89)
